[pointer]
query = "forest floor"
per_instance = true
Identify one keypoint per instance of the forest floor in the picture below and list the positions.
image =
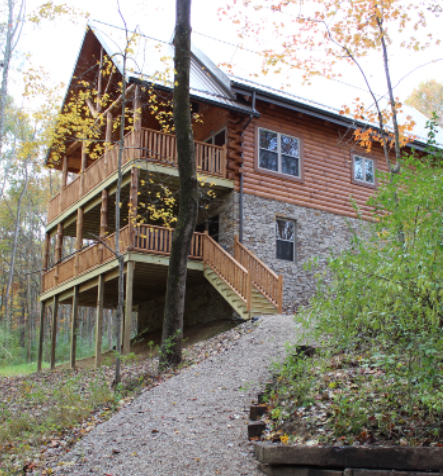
(43, 414)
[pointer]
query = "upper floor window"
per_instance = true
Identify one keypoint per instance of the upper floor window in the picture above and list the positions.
(217, 139)
(285, 235)
(279, 153)
(363, 170)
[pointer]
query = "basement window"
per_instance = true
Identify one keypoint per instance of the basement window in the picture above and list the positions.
(285, 237)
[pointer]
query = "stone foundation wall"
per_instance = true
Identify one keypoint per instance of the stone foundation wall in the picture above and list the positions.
(227, 209)
(202, 304)
(317, 233)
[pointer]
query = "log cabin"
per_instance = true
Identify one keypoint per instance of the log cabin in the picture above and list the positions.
(281, 180)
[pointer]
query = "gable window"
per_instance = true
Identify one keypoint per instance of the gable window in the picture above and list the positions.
(363, 170)
(285, 236)
(279, 153)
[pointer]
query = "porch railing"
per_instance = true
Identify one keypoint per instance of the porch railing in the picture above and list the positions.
(146, 144)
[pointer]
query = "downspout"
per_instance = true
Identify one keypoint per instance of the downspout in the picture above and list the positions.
(241, 171)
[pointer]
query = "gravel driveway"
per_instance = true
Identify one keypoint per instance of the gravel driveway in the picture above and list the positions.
(192, 424)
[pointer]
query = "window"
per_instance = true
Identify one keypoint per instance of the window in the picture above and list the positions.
(285, 234)
(217, 139)
(279, 153)
(363, 170)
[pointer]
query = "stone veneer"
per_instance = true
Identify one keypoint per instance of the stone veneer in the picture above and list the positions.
(317, 233)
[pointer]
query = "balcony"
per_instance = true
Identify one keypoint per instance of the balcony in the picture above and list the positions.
(147, 145)
(149, 239)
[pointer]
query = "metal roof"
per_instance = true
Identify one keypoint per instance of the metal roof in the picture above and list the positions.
(152, 62)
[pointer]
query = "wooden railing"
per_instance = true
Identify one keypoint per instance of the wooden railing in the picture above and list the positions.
(146, 144)
(264, 279)
(158, 239)
(148, 239)
(228, 269)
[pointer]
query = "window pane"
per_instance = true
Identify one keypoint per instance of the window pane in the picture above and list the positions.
(289, 146)
(369, 170)
(285, 250)
(268, 160)
(358, 168)
(289, 165)
(220, 139)
(268, 140)
(285, 230)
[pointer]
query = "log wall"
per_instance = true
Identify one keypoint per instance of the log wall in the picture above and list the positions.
(327, 148)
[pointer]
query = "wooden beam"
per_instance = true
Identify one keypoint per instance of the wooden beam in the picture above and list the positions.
(128, 310)
(58, 249)
(74, 327)
(104, 213)
(99, 321)
(41, 337)
(100, 82)
(132, 207)
(108, 138)
(54, 330)
(78, 238)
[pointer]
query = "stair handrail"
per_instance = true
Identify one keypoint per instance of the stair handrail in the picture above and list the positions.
(266, 281)
(228, 269)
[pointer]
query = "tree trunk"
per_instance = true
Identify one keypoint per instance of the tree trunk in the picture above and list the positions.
(14, 244)
(171, 352)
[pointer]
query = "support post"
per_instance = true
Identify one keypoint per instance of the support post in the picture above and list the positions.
(249, 297)
(41, 337)
(132, 208)
(74, 327)
(99, 321)
(128, 312)
(45, 261)
(108, 141)
(54, 330)
(280, 293)
(83, 167)
(137, 121)
(78, 239)
(58, 249)
(99, 83)
(103, 222)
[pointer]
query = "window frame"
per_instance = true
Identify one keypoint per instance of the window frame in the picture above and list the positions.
(278, 131)
(212, 136)
(294, 241)
(363, 183)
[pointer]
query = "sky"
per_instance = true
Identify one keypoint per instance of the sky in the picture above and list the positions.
(55, 44)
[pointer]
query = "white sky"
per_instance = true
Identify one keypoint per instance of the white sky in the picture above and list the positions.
(55, 45)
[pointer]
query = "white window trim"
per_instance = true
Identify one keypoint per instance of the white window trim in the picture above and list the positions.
(279, 154)
(364, 159)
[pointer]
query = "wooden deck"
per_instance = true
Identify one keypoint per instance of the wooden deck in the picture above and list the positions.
(148, 239)
(147, 144)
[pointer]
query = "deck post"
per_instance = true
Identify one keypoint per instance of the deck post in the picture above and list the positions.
(99, 321)
(65, 171)
(128, 312)
(103, 222)
(249, 290)
(58, 249)
(132, 208)
(78, 238)
(108, 139)
(74, 327)
(41, 337)
(54, 330)
(83, 167)
(280, 293)
(45, 261)
(137, 121)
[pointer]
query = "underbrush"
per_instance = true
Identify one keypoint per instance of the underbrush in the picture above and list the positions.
(377, 319)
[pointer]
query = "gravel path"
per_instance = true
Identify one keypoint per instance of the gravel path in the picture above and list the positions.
(192, 424)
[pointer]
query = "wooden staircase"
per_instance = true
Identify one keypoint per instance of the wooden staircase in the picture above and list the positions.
(246, 283)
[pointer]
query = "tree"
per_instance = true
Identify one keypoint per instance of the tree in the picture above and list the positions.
(171, 351)
(428, 98)
(317, 37)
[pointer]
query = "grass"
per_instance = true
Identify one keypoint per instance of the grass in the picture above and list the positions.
(22, 369)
